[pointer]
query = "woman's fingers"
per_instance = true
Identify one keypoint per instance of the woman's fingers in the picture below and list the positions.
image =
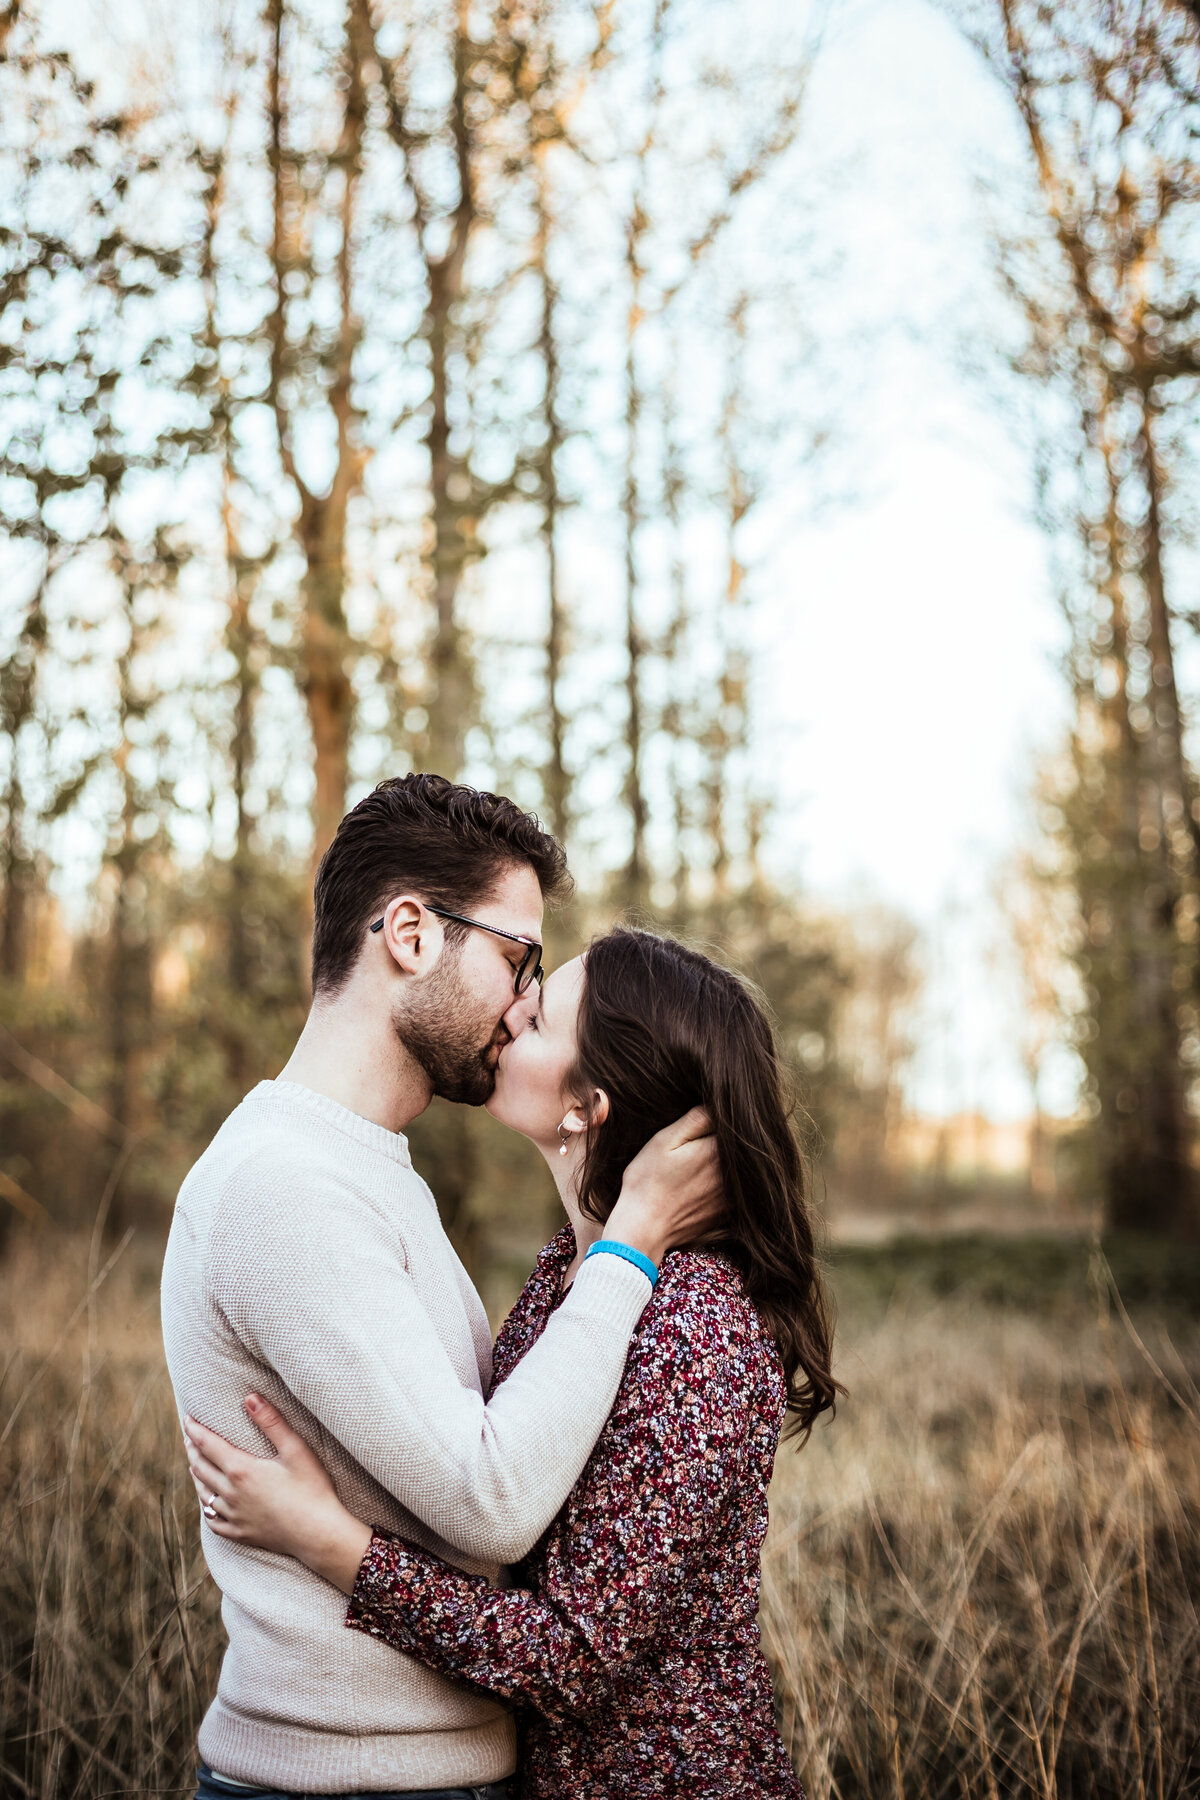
(292, 1453)
(207, 1494)
(215, 1520)
(219, 1472)
(207, 1475)
(211, 1445)
(273, 1425)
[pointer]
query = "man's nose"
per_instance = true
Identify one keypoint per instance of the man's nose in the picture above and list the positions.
(520, 1012)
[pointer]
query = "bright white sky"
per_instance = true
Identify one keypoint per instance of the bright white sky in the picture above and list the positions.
(913, 630)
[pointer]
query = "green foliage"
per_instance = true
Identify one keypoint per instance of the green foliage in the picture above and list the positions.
(199, 1040)
(1050, 1275)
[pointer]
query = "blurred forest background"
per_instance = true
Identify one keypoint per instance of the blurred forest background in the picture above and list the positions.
(421, 383)
(404, 387)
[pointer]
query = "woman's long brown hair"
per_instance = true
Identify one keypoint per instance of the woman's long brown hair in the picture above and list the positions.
(661, 1029)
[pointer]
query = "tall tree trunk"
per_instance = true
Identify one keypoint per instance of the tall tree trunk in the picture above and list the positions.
(1161, 1195)
(239, 635)
(1128, 905)
(328, 691)
(636, 880)
(14, 935)
(1118, 190)
(240, 641)
(1167, 725)
(122, 986)
(677, 708)
(557, 782)
(454, 534)
(327, 649)
(17, 689)
(18, 701)
(726, 735)
(451, 681)
(127, 1019)
(636, 871)
(242, 750)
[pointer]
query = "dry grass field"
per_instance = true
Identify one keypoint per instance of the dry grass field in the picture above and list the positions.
(982, 1580)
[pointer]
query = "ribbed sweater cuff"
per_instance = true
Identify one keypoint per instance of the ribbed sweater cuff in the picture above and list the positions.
(299, 1759)
(611, 1291)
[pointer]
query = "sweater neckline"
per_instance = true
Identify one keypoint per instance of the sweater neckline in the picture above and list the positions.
(392, 1144)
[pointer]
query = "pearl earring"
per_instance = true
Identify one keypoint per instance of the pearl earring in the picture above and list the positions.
(563, 1146)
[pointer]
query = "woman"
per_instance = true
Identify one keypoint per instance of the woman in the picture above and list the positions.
(629, 1641)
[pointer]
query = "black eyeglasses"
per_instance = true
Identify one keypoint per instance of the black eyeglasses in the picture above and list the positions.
(530, 969)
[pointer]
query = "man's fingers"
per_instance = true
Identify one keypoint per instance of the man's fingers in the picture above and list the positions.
(704, 1194)
(694, 1125)
(700, 1162)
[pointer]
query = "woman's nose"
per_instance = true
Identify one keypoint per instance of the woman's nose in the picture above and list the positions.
(521, 1011)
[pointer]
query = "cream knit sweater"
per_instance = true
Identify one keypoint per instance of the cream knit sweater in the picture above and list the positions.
(307, 1261)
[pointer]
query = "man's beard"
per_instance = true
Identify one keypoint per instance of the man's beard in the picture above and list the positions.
(450, 1043)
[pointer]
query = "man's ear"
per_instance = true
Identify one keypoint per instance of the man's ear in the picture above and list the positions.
(413, 936)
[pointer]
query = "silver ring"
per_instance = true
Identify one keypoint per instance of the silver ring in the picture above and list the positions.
(209, 1509)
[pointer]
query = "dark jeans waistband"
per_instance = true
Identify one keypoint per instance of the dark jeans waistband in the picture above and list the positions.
(211, 1787)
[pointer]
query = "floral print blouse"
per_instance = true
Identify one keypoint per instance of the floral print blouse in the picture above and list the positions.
(629, 1641)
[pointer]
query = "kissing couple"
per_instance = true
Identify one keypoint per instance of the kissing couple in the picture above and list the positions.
(526, 1570)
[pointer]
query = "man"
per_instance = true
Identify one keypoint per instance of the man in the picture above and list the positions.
(307, 1262)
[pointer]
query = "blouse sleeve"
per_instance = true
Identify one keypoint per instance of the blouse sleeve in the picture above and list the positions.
(532, 1307)
(622, 1545)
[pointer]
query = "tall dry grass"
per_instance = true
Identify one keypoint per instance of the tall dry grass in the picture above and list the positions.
(983, 1580)
(109, 1633)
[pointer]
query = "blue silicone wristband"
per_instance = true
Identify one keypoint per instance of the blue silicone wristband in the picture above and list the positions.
(627, 1253)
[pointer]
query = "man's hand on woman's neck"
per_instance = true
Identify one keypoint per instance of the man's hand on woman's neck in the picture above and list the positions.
(670, 1195)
